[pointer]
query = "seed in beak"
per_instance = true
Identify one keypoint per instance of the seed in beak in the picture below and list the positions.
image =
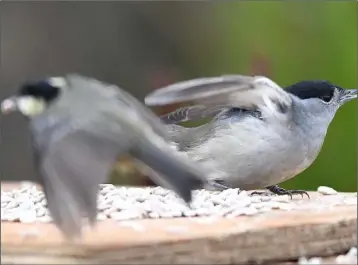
(8, 105)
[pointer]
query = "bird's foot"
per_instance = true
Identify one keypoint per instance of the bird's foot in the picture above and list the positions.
(280, 191)
(261, 193)
(218, 185)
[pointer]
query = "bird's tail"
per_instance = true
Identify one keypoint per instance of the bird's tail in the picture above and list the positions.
(168, 168)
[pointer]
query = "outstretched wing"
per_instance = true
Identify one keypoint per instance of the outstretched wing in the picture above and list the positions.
(75, 155)
(123, 98)
(72, 164)
(230, 91)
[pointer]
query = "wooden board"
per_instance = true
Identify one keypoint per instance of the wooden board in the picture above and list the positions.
(273, 236)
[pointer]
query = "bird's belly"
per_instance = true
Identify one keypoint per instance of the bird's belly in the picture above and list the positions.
(256, 176)
(258, 179)
(252, 160)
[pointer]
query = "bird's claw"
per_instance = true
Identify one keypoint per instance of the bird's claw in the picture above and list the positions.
(293, 192)
(280, 191)
(300, 192)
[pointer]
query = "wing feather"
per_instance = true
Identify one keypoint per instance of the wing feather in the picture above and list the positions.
(247, 92)
(123, 98)
(190, 113)
(75, 161)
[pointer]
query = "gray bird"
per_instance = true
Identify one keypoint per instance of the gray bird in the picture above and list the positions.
(260, 134)
(79, 127)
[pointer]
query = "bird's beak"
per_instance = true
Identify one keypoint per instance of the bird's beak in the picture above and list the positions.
(26, 105)
(347, 95)
(9, 105)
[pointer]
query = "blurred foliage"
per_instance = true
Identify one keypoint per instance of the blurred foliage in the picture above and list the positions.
(125, 173)
(288, 41)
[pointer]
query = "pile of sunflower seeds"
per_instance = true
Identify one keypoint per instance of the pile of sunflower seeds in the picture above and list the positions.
(28, 204)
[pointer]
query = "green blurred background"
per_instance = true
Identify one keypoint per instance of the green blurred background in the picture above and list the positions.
(294, 41)
(142, 45)
(287, 41)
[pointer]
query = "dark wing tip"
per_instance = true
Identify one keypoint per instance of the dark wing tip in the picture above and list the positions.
(189, 184)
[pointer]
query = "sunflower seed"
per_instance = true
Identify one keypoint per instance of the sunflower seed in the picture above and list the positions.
(28, 204)
(326, 190)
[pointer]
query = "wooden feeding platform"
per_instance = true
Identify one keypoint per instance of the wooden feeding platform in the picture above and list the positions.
(276, 237)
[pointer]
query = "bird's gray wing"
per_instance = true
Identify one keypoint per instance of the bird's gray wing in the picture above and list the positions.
(240, 91)
(123, 98)
(81, 151)
(189, 113)
(141, 123)
(75, 161)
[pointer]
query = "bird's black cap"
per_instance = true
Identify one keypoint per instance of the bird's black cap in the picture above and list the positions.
(321, 89)
(39, 89)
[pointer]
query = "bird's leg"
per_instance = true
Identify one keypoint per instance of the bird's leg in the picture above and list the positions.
(280, 191)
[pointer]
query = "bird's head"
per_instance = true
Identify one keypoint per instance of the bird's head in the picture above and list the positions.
(323, 92)
(33, 98)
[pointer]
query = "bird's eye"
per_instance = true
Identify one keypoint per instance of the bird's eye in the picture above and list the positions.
(327, 98)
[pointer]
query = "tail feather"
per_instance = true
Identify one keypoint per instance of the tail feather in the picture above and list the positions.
(170, 170)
